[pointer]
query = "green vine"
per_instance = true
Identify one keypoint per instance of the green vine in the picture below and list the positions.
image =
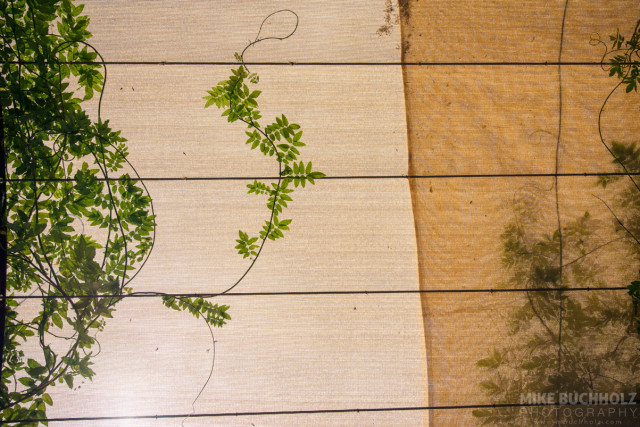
(62, 190)
(280, 139)
(621, 58)
(66, 187)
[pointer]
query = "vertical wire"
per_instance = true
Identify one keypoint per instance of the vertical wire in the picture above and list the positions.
(557, 164)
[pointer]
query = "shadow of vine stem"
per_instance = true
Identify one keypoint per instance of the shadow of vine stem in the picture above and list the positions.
(600, 341)
(61, 194)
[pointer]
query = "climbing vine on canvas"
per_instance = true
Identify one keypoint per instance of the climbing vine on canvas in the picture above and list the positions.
(77, 220)
(75, 225)
(621, 58)
(280, 140)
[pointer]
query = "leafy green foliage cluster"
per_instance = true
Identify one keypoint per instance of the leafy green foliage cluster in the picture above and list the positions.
(61, 195)
(598, 346)
(623, 62)
(280, 139)
(213, 314)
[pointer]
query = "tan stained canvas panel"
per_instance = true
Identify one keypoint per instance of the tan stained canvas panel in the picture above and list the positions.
(492, 116)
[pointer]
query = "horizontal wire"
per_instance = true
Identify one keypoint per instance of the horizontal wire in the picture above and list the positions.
(318, 63)
(151, 294)
(345, 177)
(308, 412)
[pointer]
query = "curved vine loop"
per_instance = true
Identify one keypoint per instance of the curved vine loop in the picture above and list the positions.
(281, 140)
(257, 40)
